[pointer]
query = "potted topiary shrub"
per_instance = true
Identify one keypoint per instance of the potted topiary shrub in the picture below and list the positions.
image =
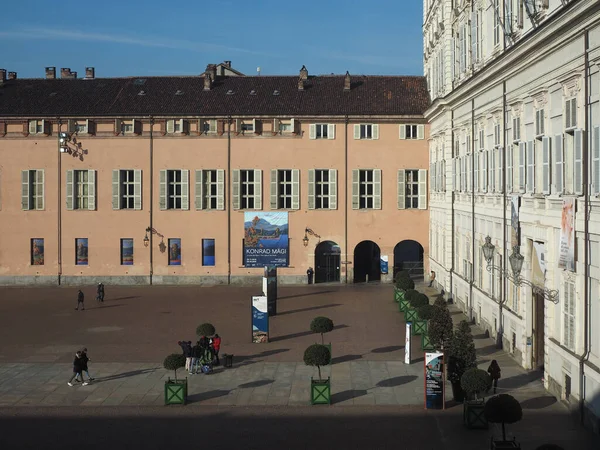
(318, 355)
(175, 390)
(402, 284)
(404, 304)
(416, 301)
(475, 382)
(322, 325)
(205, 329)
(424, 313)
(461, 357)
(440, 327)
(503, 409)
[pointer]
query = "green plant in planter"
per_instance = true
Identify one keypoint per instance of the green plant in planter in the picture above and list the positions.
(440, 301)
(401, 274)
(404, 302)
(205, 329)
(321, 325)
(475, 382)
(175, 391)
(503, 409)
(419, 300)
(440, 327)
(461, 357)
(425, 312)
(318, 355)
(405, 284)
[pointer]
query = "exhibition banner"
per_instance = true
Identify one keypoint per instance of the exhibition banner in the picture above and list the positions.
(260, 320)
(407, 348)
(538, 264)
(384, 263)
(566, 253)
(514, 221)
(266, 239)
(434, 381)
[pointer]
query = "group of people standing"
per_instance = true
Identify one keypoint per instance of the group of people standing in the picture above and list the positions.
(80, 365)
(201, 357)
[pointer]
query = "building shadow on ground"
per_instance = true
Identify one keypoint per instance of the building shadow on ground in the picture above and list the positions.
(520, 380)
(255, 384)
(397, 381)
(538, 402)
(132, 373)
(101, 306)
(243, 360)
(388, 349)
(345, 358)
(305, 294)
(301, 334)
(349, 394)
(312, 308)
(203, 396)
(123, 298)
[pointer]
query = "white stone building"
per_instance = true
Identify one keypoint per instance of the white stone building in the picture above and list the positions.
(515, 118)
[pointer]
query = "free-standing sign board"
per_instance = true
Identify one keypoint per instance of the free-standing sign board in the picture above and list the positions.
(260, 319)
(407, 348)
(435, 396)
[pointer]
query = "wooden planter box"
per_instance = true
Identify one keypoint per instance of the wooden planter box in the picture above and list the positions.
(403, 305)
(425, 342)
(410, 315)
(398, 295)
(176, 392)
(473, 416)
(501, 445)
(320, 391)
(419, 327)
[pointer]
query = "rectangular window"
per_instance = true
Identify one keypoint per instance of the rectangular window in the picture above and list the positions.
(81, 252)
(366, 131)
(321, 131)
(247, 126)
(539, 122)
(411, 197)
(322, 189)
(127, 252)
(127, 189)
(176, 126)
(366, 189)
(496, 22)
(412, 132)
(210, 189)
(207, 126)
(285, 189)
(81, 189)
(82, 186)
(174, 189)
(497, 135)
(39, 127)
(516, 129)
(571, 113)
(412, 189)
(32, 189)
(175, 252)
(208, 252)
(127, 126)
(569, 315)
(247, 189)
(285, 126)
(37, 252)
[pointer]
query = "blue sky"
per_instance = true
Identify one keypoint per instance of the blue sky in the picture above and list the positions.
(126, 38)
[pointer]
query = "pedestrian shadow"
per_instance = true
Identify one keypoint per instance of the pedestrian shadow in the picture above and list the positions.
(301, 334)
(538, 402)
(125, 298)
(520, 380)
(103, 307)
(345, 358)
(304, 294)
(255, 384)
(396, 381)
(349, 394)
(244, 360)
(388, 349)
(132, 373)
(312, 308)
(487, 350)
(204, 396)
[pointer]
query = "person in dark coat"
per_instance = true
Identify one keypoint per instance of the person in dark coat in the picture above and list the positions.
(196, 356)
(84, 364)
(186, 346)
(77, 369)
(80, 298)
(494, 371)
(100, 292)
(310, 273)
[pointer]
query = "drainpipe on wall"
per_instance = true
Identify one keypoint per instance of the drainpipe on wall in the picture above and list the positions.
(151, 197)
(227, 198)
(59, 211)
(503, 261)
(586, 231)
(452, 192)
(346, 194)
(473, 245)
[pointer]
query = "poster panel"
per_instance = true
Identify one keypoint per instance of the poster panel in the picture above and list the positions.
(37, 252)
(260, 320)
(384, 263)
(434, 381)
(538, 264)
(81, 252)
(407, 340)
(266, 239)
(566, 251)
(175, 252)
(208, 252)
(127, 252)
(514, 221)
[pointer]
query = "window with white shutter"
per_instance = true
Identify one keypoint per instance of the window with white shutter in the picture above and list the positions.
(530, 167)
(516, 129)
(81, 189)
(366, 189)
(500, 151)
(578, 162)
(522, 167)
(321, 131)
(571, 113)
(476, 165)
(484, 170)
(455, 176)
(247, 189)
(595, 172)
(174, 189)
(210, 189)
(422, 189)
(546, 160)
(32, 189)
(509, 169)
(559, 168)
(492, 163)
(366, 131)
(126, 189)
(285, 188)
(569, 302)
(539, 122)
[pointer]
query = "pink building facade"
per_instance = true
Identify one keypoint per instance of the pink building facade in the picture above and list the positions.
(154, 177)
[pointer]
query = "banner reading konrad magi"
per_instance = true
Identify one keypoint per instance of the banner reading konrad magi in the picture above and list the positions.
(266, 239)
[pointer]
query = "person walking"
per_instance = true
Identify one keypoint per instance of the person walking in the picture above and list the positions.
(100, 292)
(431, 278)
(77, 370)
(80, 298)
(495, 373)
(84, 365)
(216, 342)
(309, 273)
(186, 346)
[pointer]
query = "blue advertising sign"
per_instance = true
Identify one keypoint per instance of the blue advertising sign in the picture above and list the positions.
(266, 239)
(260, 320)
(434, 381)
(383, 262)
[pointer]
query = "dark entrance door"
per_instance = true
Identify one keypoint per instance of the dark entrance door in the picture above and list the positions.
(408, 256)
(327, 262)
(367, 262)
(538, 331)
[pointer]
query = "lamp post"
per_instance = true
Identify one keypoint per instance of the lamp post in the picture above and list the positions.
(308, 231)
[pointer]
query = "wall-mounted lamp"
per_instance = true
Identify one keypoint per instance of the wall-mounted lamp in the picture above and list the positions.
(308, 231)
(67, 143)
(147, 238)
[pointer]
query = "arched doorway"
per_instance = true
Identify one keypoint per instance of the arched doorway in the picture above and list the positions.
(327, 262)
(367, 262)
(408, 255)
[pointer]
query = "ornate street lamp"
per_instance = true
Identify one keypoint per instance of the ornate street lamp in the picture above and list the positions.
(308, 231)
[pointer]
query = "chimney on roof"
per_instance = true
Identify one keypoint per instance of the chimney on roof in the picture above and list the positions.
(65, 72)
(50, 73)
(2, 75)
(12, 75)
(304, 73)
(227, 64)
(211, 71)
(300, 83)
(90, 73)
(347, 81)
(207, 82)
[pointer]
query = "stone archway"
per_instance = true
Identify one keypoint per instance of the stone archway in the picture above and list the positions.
(367, 264)
(408, 255)
(327, 262)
